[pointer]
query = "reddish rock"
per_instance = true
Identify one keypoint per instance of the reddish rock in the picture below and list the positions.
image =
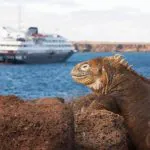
(49, 101)
(97, 128)
(31, 126)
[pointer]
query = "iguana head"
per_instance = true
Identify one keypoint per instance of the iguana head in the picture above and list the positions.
(98, 73)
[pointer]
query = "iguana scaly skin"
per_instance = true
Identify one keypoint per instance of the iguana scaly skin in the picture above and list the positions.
(128, 92)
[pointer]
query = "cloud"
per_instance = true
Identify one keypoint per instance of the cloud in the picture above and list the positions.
(93, 5)
(65, 3)
(83, 20)
(113, 25)
(56, 6)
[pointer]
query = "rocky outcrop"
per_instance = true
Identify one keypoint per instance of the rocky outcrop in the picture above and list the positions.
(43, 125)
(48, 101)
(51, 124)
(88, 46)
(96, 128)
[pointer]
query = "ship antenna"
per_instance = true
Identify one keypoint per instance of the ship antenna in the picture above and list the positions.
(19, 16)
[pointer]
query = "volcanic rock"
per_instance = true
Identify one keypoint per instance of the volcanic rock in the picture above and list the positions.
(35, 126)
(97, 128)
(49, 101)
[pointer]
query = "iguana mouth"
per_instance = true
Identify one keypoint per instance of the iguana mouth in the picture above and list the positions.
(79, 77)
(83, 79)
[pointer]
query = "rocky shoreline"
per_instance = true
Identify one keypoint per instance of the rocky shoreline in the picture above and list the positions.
(53, 124)
(89, 46)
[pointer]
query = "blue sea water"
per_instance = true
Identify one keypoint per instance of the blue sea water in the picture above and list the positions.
(51, 80)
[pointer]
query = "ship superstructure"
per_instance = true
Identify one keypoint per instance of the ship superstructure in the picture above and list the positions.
(31, 47)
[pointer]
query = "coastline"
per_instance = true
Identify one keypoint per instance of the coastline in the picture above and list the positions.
(93, 46)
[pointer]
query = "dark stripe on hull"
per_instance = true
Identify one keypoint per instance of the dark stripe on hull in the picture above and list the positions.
(36, 58)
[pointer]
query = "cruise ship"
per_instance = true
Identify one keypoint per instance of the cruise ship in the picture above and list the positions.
(31, 47)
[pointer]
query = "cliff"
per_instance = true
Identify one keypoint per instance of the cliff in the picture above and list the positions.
(89, 46)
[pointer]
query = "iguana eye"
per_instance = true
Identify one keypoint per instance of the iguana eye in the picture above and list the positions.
(85, 67)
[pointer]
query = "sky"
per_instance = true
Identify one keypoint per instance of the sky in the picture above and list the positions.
(90, 20)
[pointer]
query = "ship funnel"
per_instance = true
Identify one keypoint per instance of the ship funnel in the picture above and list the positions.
(32, 31)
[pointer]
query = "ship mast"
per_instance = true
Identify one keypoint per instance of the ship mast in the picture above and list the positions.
(19, 17)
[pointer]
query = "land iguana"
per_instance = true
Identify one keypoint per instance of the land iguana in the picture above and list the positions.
(129, 93)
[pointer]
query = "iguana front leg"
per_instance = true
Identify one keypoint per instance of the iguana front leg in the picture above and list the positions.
(106, 102)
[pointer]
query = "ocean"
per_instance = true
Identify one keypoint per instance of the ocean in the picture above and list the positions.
(54, 80)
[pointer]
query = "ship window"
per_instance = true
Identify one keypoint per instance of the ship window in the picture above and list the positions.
(10, 57)
(1, 58)
(19, 57)
(24, 57)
